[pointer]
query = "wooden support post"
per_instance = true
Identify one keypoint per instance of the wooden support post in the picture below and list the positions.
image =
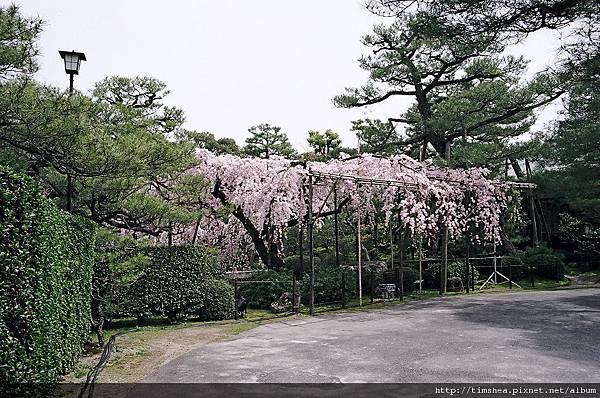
(236, 297)
(344, 299)
(472, 276)
(444, 265)
(420, 264)
(391, 246)
(495, 263)
(359, 257)
(372, 284)
(397, 277)
(510, 276)
(467, 261)
(69, 189)
(337, 245)
(401, 261)
(294, 294)
(311, 246)
(300, 250)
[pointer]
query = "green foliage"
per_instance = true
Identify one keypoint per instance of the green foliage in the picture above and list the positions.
(571, 152)
(545, 262)
(328, 259)
(459, 269)
(292, 263)
(208, 141)
(18, 36)
(461, 89)
(46, 259)
(177, 280)
(328, 284)
(261, 294)
(118, 264)
(518, 270)
(504, 21)
(455, 269)
(217, 302)
(114, 145)
(584, 237)
(266, 140)
(410, 276)
(376, 136)
(325, 145)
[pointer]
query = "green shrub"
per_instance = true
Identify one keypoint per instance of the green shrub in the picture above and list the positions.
(292, 263)
(459, 269)
(176, 280)
(328, 280)
(455, 269)
(545, 262)
(46, 261)
(260, 294)
(328, 284)
(410, 276)
(328, 259)
(431, 275)
(217, 303)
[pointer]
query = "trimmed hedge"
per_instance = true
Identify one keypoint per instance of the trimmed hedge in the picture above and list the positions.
(46, 262)
(180, 280)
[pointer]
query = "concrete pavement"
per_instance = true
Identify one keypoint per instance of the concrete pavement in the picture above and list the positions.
(551, 336)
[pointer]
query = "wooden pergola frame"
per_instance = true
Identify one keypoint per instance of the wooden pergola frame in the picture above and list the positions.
(333, 179)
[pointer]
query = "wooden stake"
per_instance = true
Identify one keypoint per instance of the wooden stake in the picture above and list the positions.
(359, 259)
(311, 246)
(401, 261)
(444, 265)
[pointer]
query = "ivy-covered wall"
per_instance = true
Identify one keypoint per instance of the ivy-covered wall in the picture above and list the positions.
(46, 261)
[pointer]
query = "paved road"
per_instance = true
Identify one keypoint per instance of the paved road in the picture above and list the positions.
(518, 337)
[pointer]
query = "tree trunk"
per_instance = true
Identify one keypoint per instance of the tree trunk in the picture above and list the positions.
(267, 255)
(98, 320)
(375, 237)
(516, 167)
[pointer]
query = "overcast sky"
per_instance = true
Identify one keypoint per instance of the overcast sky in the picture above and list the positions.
(231, 64)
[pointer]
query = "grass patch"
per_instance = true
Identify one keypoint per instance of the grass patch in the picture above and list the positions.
(590, 276)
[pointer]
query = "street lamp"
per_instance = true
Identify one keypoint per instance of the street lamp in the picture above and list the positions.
(72, 62)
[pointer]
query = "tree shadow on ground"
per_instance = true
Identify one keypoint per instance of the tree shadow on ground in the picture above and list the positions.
(563, 327)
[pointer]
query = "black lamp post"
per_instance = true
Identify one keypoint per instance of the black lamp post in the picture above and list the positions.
(72, 63)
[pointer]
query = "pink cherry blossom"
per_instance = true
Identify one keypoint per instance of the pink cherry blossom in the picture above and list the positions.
(273, 192)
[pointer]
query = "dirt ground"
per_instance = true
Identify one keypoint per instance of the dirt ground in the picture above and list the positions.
(139, 353)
